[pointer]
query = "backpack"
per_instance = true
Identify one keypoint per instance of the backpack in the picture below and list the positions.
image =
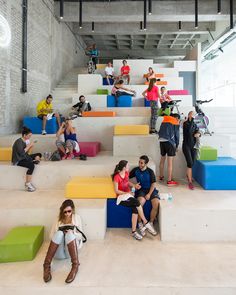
(55, 156)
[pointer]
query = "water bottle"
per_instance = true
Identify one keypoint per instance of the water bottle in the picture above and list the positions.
(170, 197)
(132, 190)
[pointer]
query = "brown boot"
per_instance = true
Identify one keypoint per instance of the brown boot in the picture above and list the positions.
(72, 248)
(47, 262)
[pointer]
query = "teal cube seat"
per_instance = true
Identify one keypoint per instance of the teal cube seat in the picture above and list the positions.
(21, 243)
(208, 153)
(102, 91)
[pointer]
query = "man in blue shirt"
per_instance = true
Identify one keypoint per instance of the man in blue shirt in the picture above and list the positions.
(146, 189)
(93, 53)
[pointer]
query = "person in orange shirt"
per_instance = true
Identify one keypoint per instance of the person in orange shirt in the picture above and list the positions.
(125, 70)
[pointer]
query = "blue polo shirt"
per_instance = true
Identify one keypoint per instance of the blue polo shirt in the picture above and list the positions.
(145, 177)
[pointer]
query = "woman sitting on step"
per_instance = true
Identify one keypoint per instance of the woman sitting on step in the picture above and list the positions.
(65, 241)
(67, 143)
(119, 89)
(21, 157)
(125, 197)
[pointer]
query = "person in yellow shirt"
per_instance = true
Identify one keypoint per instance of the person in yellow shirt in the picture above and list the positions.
(45, 112)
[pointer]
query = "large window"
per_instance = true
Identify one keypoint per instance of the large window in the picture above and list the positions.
(218, 77)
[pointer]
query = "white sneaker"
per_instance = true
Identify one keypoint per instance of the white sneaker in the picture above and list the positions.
(137, 236)
(44, 132)
(141, 229)
(150, 228)
(29, 187)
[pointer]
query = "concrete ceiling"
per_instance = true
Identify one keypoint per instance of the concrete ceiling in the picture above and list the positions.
(117, 26)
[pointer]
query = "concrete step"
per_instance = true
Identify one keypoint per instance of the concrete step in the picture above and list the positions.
(55, 175)
(19, 210)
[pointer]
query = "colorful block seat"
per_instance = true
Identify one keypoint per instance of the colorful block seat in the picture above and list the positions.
(216, 175)
(208, 153)
(104, 81)
(131, 130)
(90, 188)
(178, 92)
(120, 216)
(91, 149)
(35, 124)
(99, 114)
(158, 83)
(102, 91)
(156, 75)
(5, 153)
(21, 243)
(123, 101)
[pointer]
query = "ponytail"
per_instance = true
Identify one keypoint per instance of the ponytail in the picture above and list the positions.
(119, 167)
(25, 131)
(151, 84)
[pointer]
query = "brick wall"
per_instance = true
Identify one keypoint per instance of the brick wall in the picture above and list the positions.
(51, 54)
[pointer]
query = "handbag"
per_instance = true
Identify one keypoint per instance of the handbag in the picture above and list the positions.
(72, 227)
(55, 156)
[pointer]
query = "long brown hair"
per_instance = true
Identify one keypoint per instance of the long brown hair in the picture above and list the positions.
(119, 168)
(151, 84)
(66, 203)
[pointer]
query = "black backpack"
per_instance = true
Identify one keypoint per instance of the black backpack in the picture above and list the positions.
(55, 156)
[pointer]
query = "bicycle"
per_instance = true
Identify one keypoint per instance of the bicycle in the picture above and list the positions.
(168, 108)
(201, 120)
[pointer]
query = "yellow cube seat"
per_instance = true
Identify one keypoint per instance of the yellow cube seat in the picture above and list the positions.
(5, 153)
(90, 188)
(131, 130)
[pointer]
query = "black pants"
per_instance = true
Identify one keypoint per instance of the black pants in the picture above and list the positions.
(95, 61)
(29, 163)
(131, 203)
(190, 155)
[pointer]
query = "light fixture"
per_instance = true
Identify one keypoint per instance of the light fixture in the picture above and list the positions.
(231, 11)
(219, 6)
(5, 32)
(149, 7)
(141, 26)
(61, 9)
(144, 15)
(180, 25)
(93, 26)
(196, 14)
(80, 14)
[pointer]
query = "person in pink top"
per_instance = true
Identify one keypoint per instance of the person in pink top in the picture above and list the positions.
(125, 70)
(152, 94)
(125, 197)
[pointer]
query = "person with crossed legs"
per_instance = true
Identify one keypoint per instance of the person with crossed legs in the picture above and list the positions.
(146, 190)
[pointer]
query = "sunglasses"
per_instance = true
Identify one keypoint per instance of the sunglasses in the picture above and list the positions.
(68, 211)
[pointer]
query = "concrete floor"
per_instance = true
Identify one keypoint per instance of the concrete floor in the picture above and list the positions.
(121, 265)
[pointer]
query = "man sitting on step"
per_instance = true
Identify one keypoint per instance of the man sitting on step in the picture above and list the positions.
(80, 107)
(145, 189)
(45, 112)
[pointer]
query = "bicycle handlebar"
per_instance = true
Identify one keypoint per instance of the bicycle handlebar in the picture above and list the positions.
(203, 101)
(176, 101)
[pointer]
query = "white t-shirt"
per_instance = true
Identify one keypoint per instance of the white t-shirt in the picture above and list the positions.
(109, 71)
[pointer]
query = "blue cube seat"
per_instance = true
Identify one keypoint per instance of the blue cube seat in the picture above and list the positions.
(104, 81)
(124, 101)
(120, 216)
(146, 102)
(216, 175)
(35, 124)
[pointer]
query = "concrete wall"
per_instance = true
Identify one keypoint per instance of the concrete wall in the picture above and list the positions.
(51, 54)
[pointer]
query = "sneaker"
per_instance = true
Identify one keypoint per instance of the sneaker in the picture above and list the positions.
(161, 178)
(70, 157)
(137, 236)
(150, 228)
(44, 132)
(141, 229)
(29, 187)
(153, 131)
(172, 183)
(190, 186)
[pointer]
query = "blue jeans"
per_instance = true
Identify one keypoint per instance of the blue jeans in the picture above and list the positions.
(62, 240)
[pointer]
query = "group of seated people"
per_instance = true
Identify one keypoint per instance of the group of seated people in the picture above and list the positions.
(124, 73)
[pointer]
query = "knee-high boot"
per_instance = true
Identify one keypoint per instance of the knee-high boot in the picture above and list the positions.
(73, 251)
(47, 262)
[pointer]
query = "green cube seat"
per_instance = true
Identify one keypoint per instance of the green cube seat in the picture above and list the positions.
(208, 153)
(102, 91)
(21, 243)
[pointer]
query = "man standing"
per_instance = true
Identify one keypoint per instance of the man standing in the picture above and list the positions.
(169, 141)
(125, 70)
(146, 190)
(45, 112)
